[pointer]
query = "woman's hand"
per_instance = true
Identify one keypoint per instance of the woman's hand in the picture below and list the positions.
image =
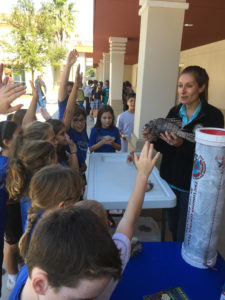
(145, 163)
(148, 136)
(172, 139)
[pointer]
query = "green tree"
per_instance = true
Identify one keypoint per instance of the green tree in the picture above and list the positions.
(30, 36)
(39, 37)
(60, 14)
(90, 71)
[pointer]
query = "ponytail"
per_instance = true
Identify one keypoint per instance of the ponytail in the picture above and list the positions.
(24, 241)
(17, 179)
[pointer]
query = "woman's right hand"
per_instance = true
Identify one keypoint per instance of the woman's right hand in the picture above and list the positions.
(148, 136)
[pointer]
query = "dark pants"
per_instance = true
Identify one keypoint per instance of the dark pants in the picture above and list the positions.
(88, 108)
(177, 216)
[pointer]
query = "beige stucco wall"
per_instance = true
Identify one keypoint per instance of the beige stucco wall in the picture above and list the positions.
(130, 74)
(212, 58)
(127, 73)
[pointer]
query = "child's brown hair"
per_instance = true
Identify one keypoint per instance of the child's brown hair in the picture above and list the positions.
(32, 156)
(97, 208)
(70, 244)
(49, 187)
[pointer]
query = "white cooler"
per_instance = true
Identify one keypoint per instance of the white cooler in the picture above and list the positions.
(111, 180)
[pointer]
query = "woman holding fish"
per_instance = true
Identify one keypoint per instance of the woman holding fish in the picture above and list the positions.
(174, 138)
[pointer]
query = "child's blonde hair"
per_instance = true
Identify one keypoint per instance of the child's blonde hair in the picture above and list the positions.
(97, 208)
(48, 188)
(31, 157)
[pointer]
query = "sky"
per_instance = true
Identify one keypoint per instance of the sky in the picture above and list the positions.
(84, 16)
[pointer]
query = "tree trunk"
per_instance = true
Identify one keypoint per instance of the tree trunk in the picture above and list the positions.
(32, 72)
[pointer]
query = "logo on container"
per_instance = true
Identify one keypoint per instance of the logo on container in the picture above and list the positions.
(199, 167)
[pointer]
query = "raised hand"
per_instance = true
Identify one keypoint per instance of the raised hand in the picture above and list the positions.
(145, 162)
(78, 76)
(72, 57)
(8, 93)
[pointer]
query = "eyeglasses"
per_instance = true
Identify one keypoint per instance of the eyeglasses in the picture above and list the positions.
(79, 121)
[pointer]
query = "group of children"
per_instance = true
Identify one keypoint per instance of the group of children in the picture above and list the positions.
(68, 251)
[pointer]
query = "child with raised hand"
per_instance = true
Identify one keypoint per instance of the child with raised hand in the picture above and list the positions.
(66, 86)
(79, 271)
(105, 137)
(7, 131)
(75, 123)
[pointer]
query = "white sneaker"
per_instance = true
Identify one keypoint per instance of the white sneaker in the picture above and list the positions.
(10, 284)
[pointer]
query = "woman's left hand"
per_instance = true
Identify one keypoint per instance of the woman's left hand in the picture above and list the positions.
(172, 139)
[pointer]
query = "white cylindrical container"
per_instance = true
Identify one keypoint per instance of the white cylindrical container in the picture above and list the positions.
(206, 198)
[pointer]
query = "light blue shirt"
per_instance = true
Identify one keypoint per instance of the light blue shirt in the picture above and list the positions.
(183, 114)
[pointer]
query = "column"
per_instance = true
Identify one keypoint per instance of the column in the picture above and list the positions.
(101, 70)
(117, 52)
(106, 60)
(97, 73)
(158, 61)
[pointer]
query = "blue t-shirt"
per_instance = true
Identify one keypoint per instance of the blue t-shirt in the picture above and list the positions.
(25, 204)
(96, 136)
(20, 282)
(62, 107)
(4, 164)
(81, 141)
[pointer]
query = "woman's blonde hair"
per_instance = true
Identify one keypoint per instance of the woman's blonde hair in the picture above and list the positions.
(48, 188)
(31, 157)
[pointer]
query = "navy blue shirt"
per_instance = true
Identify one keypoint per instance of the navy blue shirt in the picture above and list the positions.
(20, 282)
(62, 107)
(97, 135)
(81, 141)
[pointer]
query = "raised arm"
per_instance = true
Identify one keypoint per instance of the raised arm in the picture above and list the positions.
(144, 165)
(30, 115)
(71, 59)
(70, 107)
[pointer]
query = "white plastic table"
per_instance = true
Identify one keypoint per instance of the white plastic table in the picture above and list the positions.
(111, 180)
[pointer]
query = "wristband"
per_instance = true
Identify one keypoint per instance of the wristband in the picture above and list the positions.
(73, 153)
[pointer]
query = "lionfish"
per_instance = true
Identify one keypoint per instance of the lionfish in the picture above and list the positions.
(161, 125)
